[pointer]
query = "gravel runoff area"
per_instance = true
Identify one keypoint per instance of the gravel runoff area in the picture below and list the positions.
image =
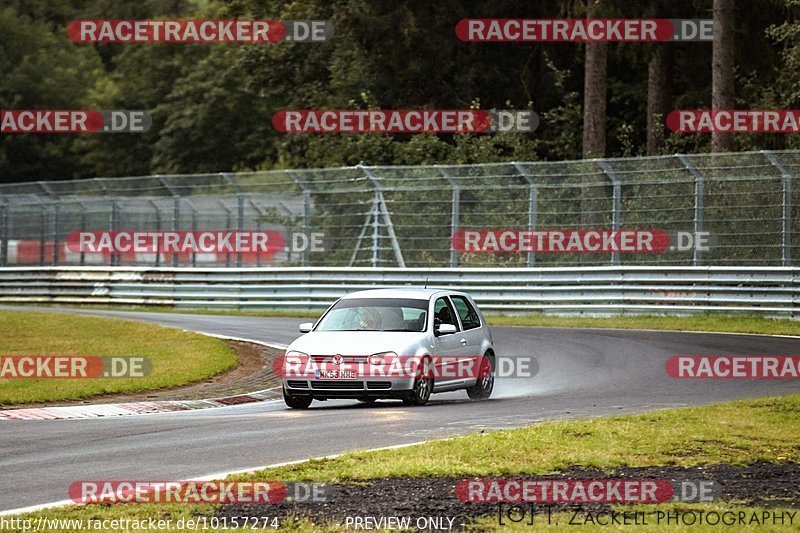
(253, 373)
(763, 484)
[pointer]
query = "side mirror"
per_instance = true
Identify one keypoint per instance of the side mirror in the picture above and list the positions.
(446, 329)
(305, 327)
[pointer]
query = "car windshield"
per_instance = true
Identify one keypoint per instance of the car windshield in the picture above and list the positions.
(376, 314)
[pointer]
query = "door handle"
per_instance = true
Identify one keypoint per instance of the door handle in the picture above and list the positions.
(463, 342)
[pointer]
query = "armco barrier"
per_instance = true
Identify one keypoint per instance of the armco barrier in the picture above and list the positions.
(596, 290)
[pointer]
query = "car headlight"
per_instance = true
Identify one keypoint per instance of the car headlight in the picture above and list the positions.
(381, 358)
(296, 358)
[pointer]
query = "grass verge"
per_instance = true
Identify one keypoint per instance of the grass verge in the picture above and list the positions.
(703, 322)
(740, 432)
(178, 357)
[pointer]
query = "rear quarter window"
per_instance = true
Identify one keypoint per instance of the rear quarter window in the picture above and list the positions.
(469, 317)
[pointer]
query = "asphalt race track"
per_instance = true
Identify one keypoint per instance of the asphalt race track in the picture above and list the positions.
(582, 373)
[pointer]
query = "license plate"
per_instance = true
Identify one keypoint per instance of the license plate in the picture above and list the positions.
(336, 374)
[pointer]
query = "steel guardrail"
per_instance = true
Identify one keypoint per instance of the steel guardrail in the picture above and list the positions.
(595, 290)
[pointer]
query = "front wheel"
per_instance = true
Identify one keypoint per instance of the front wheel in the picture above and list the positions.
(423, 386)
(297, 402)
(485, 384)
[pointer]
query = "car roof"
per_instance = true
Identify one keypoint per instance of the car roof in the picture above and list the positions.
(414, 293)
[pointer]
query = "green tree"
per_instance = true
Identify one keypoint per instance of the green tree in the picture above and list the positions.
(41, 70)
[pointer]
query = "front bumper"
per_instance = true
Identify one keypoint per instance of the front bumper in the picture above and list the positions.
(323, 389)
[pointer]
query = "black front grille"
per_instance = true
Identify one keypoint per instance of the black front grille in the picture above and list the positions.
(337, 384)
(297, 384)
(379, 385)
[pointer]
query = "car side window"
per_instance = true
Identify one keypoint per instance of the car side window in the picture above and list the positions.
(443, 313)
(468, 315)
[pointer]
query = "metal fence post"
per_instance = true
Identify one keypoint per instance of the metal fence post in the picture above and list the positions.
(533, 200)
(376, 236)
(42, 230)
(699, 191)
(4, 207)
(105, 194)
(56, 213)
(227, 227)
(158, 228)
(259, 218)
(56, 209)
(616, 201)
(455, 214)
(114, 227)
(176, 212)
(82, 205)
(194, 227)
(240, 216)
(304, 185)
(307, 227)
(786, 201)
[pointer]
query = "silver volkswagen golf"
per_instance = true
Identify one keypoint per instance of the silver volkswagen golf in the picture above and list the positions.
(391, 343)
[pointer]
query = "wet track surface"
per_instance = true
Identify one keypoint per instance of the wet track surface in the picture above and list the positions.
(581, 373)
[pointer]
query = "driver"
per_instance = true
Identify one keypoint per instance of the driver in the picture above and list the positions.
(367, 318)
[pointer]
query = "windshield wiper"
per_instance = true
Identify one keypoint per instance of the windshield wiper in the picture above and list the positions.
(404, 329)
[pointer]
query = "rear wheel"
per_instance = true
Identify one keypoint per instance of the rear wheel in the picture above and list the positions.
(485, 385)
(297, 402)
(423, 386)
